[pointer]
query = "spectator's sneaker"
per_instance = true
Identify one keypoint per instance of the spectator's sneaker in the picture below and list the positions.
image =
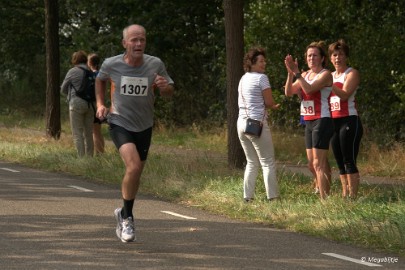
(118, 218)
(128, 230)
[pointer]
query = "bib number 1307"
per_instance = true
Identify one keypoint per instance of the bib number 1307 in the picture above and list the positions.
(134, 86)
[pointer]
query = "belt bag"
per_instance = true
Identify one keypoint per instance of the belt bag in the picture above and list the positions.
(253, 127)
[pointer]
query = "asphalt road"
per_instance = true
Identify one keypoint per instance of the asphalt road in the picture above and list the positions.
(55, 221)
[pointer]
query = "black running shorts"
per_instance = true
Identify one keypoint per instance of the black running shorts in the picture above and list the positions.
(318, 133)
(142, 140)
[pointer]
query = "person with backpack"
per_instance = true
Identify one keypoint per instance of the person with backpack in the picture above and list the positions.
(77, 85)
(93, 61)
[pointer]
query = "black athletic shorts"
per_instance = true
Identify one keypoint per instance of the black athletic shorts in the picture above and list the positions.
(142, 140)
(318, 133)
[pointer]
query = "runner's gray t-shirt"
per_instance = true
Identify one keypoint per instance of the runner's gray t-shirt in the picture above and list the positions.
(132, 97)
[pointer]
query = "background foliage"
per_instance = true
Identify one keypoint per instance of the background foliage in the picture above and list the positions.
(375, 33)
(189, 38)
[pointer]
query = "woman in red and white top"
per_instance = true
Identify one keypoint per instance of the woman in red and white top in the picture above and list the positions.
(348, 127)
(314, 87)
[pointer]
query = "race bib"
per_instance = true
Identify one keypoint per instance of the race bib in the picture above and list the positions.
(334, 103)
(134, 86)
(307, 107)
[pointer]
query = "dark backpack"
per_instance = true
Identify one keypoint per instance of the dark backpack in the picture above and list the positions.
(87, 90)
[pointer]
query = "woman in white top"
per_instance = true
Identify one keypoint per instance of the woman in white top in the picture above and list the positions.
(255, 96)
(314, 87)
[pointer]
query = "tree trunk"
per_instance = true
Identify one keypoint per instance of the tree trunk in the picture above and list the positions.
(233, 10)
(52, 111)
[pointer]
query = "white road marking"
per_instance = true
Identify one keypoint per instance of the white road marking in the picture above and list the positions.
(82, 188)
(363, 262)
(177, 215)
(10, 170)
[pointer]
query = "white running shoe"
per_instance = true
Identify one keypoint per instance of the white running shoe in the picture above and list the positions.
(128, 230)
(125, 227)
(118, 218)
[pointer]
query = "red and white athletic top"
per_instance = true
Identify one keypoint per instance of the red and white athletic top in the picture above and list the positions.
(316, 105)
(342, 108)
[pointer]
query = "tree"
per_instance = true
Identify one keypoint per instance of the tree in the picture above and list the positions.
(52, 113)
(192, 45)
(233, 11)
(22, 61)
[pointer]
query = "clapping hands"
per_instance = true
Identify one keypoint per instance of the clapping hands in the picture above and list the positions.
(291, 64)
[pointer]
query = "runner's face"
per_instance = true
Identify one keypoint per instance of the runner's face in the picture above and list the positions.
(338, 59)
(314, 58)
(135, 42)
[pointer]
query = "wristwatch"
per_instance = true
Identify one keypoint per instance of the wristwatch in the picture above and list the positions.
(297, 75)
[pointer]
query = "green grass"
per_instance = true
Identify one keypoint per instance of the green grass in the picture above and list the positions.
(189, 166)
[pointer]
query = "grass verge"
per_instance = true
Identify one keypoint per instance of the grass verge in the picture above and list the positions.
(189, 167)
